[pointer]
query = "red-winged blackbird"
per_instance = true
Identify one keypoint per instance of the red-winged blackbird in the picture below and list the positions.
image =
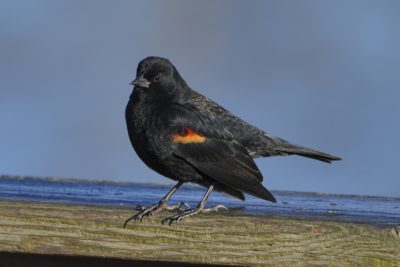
(187, 137)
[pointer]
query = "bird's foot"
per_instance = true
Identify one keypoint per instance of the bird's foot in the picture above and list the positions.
(152, 210)
(180, 206)
(182, 215)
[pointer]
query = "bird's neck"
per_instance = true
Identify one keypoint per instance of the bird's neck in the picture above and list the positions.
(160, 97)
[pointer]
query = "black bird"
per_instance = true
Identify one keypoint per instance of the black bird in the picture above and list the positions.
(187, 137)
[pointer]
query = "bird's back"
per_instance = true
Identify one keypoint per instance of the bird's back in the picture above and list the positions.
(256, 141)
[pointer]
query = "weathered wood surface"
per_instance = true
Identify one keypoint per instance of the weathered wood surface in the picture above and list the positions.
(207, 238)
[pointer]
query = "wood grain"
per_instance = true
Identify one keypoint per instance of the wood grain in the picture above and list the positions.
(207, 238)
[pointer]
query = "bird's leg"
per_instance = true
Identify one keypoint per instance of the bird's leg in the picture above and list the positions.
(200, 208)
(150, 211)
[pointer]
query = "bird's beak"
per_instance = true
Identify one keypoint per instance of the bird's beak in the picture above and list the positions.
(140, 82)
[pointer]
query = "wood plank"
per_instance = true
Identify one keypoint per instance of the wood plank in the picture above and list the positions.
(207, 238)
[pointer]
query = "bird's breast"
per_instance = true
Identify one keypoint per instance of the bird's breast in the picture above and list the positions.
(146, 129)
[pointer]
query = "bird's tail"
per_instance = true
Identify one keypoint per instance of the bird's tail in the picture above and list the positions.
(291, 149)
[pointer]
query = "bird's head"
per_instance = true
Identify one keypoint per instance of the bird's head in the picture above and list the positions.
(158, 76)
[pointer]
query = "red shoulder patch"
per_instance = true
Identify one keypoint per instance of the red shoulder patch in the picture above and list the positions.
(188, 137)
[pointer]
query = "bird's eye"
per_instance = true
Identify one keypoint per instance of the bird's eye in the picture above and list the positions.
(157, 77)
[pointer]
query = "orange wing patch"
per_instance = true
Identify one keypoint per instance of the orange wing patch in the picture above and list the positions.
(189, 137)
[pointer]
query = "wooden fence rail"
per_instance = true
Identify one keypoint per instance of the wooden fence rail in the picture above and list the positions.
(208, 238)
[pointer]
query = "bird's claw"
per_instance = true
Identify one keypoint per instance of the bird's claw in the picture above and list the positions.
(179, 217)
(182, 215)
(145, 212)
(137, 217)
(167, 221)
(190, 212)
(152, 210)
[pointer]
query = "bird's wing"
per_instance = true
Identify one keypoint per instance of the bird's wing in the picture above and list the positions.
(224, 160)
(256, 141)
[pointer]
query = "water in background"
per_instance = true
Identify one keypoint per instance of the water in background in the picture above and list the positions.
(361, 209)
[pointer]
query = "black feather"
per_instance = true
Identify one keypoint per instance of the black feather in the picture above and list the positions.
(291, 149)
(228, 163)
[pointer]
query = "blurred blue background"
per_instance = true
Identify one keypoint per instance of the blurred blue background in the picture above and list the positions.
(323, 74)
